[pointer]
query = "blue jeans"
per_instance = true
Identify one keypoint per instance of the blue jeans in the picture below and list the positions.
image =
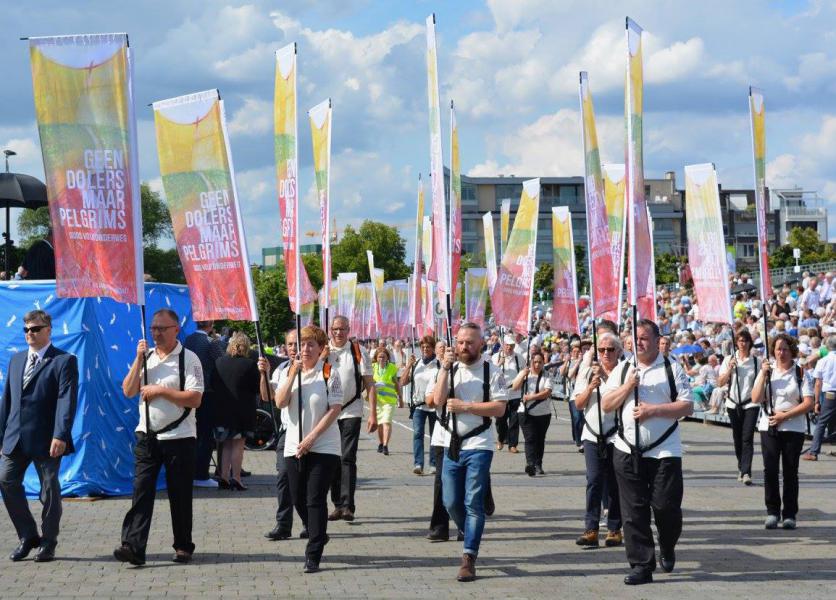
(419, 420)
(577, 423)
(827, 415)
(464, 483)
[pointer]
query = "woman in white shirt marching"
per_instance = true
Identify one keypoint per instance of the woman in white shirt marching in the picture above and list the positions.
(536, 413)
(786, 401)
(738, 372)
(312, 442)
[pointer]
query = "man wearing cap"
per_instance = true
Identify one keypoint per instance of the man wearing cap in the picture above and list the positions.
(508, 425)
(825, 398)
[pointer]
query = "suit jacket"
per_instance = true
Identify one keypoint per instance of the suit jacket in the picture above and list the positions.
(31, 416)
(207, 350)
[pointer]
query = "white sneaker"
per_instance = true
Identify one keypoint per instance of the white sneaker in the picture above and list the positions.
(788, 524)
(432, 470)
(418, 470)
(205, 483)
(771, 522)
(746, 479)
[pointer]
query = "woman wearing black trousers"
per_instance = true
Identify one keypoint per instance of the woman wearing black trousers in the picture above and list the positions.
(312, 442)
(785, 401)
(536, 413)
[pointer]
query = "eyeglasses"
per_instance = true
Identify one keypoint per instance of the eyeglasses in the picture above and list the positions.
(161, 328)
(34, 328)
(603, 350)
(338, 329)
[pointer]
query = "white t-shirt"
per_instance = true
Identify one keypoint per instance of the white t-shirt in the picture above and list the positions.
(785, 396)
(747, 371)
(467, 386)
(654, 388)
(590, 411)
(542, 409)
(509, 366)
(341, 359)
(274, 385)
(166, 372)
(315, 403)
(826, 371)
(424, 376)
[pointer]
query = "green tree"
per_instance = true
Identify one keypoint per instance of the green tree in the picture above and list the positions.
(156, 220)
(387, 245)
(666, 265)
(32, 225)
(163, 265)
(544, 279)
(813, 249)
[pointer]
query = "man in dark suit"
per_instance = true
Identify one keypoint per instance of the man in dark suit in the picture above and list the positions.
(36, 422)
(208, 351)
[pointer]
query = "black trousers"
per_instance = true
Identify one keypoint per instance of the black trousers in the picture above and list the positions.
(440, 520)
(534, 431)
(658, 486)
(205, 420)
(345, 478)
(178, 457)
(284, 512)
(12, 470)
(781, 451)
(508, 425)
(309, 479)
(600, 482)
(743, 423)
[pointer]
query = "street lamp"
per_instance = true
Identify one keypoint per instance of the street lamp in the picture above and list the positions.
(8, 238)
(796, 254)
(8, 153)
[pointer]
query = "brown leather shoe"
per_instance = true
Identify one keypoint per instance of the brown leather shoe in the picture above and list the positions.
(182, 557)
(467, 572)
(808, 456)
(500, 445)
(337, 514)
(513, 450)
(589, 539)
(614, 538)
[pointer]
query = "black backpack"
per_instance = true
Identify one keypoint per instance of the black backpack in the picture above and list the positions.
(620, 422)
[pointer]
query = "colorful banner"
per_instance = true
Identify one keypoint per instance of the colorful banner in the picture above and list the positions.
(757, 110)
(346, 292)
(376, 276)
(418, 260)
(320, 119)
(439, 270)
(490, 250)
(286, 144)
(638, 228)
(455, 201)
(614, 197)
(361, 322)
(428, 293)
(427, 243)
(199, 183)
(504, 226)
(706, 247)
(512, 296)
(84, 104)
(603, 286)
(565, 300)
(647, 302)
(388, 322)
(475, 295)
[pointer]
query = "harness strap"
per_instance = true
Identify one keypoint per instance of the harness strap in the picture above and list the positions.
(456, 439)
(181, 365)
(530, 405)
(620, 422)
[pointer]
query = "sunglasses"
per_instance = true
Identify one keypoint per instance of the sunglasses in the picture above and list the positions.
(34, 328)
(603, 350)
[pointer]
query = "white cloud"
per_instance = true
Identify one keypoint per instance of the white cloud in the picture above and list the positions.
(255, 117)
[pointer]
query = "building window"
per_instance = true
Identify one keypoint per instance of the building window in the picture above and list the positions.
(747, 250)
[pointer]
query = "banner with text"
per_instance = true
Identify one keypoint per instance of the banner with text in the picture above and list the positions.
(512, 296)
(320, 119)
(475, 295)
(199, 183)
(84, 104)
(706, 247)
(565, 302)
(757, 111)
(614, 197)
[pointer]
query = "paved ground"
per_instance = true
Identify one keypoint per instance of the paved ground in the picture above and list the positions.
(528, 549)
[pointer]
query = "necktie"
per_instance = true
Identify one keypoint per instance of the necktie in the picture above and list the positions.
(30, 369)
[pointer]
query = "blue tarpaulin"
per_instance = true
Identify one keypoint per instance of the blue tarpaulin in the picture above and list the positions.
(103, 334)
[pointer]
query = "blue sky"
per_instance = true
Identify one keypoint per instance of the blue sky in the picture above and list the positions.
(511, 66)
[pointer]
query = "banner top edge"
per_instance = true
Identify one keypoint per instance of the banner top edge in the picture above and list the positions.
(187, 98)
(90, 37)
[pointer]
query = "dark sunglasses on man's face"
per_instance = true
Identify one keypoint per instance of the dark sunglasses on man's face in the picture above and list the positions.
(33, 328)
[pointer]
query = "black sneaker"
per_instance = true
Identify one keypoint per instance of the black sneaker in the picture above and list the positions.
(277, 533)
(311, 566)
(639, 576)
(385, 450)
(539, 469)
(438, 536)
(125, 553)
(303, 535)
(529, 470)
(380, 447)
(667, 559)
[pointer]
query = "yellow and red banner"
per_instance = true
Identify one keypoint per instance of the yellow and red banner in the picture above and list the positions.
(346, 294)
(565, 301)
(757, 111)
(199, 183)
(604, 288)
(455, 201)
(504, 226)
(511, 298)
(475, 295)
(320, 118)
(641, 249)
(286, 145)
(439, 269)
(84, 104)
(490, 250)
(362, 321)
(614, 196)
(706, 245)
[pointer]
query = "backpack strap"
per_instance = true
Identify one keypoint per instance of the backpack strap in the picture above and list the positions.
(356, 358)
(528, 406)
(486, 396)
(181, 365)
(620, 422)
